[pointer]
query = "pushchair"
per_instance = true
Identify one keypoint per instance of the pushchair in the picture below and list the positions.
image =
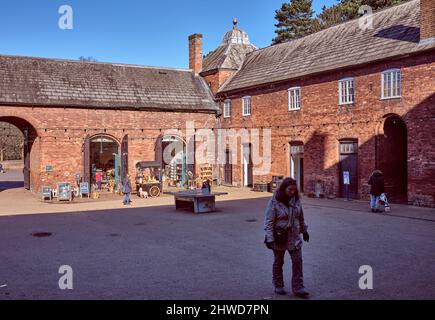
(384, 200)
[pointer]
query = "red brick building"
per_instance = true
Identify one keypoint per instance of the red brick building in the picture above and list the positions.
(76, 114)
(346, 99)
(352, 98)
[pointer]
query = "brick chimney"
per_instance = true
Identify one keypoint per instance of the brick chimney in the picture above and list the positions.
(195, 53)
(427, 19)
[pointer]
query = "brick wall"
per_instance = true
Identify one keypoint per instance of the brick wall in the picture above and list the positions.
(195, 53)
(427, 19)
(217, 79)
(60, 133)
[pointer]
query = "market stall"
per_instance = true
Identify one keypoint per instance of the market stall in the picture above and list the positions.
(149, 179)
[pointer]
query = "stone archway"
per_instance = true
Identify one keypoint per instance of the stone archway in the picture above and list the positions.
(31, 158)
(104, 157)
(174, 159)
(392, 158)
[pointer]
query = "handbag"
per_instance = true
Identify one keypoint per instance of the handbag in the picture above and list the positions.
(280, 235)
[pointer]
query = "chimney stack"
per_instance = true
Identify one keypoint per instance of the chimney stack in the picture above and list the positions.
(195, 53)
(427, 19)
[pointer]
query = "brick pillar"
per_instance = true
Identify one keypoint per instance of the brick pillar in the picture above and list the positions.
(195, 53)
(427, 22)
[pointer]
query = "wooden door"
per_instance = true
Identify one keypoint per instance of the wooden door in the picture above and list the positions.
(26, 169)
(124, 157)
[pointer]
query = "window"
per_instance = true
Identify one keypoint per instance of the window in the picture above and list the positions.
(227, 109)
(294, 99)
(347, 91)
(391, 84)
(246, 106)
(348, 147)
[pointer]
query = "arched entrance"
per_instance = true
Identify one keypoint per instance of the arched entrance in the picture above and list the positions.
(104, 159)
(27, 140)
(393, 158)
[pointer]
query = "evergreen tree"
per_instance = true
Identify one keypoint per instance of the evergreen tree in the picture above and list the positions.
(295, 20)
(330, 16)
(350, 8)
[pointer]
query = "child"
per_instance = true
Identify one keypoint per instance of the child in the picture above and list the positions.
(206, 187)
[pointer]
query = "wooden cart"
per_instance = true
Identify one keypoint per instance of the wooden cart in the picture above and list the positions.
(154, 169)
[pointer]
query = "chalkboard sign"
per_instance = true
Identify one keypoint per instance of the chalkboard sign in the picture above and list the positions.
(84, 188)
(64, 192)
(46, 193)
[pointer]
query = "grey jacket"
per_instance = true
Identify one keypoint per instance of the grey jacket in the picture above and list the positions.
(292, 217)
(127, 186)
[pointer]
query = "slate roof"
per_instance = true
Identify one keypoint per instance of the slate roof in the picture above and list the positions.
(231, 53)
(227, 57)
(52, 82)
(396, 31)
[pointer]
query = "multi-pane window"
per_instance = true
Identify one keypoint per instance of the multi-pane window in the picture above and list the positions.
(299, 149)
(294, 99)
(391, 84)
(227, 109)
(347, 91)
(348, 147)
(246, 106)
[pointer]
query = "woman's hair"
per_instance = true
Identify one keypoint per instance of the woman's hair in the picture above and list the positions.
(281, 194)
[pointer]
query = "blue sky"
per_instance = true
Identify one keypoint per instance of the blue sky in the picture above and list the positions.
(131, 31)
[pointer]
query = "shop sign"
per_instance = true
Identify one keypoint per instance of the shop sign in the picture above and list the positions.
(84, 188)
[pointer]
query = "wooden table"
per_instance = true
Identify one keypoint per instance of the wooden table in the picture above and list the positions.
(197, 201)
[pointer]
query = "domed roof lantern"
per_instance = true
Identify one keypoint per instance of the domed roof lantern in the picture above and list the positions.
(236, 36)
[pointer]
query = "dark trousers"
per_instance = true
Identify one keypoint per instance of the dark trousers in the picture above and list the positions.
(297, 271)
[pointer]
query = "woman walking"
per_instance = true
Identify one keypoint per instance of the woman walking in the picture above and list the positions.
(284, 223)
(126, 190)
(377, 188)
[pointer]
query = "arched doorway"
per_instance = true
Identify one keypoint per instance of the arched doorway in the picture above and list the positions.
(104, 159)
(393, 158)
(174, 160)
(27, 140)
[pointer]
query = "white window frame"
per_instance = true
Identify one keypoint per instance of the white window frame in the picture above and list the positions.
(227, 109)
(246, 106)
(294, 99)
(393, 85)
(344, 95)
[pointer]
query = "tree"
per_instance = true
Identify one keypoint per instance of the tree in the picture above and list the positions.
(11, 142)
(330, 16)
(350, 8)
(295, 20)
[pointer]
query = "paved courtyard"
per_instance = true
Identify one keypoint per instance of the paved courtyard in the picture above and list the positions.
(150, 251)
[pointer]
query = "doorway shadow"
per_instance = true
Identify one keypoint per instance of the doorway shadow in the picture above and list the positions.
(7, 185)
